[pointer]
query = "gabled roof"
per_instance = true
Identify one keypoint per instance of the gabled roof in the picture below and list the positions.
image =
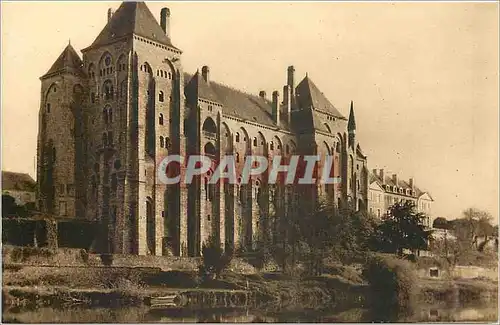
(310, 95)
(17, 182)
(68, 60)
(132, 18)
(234, 102)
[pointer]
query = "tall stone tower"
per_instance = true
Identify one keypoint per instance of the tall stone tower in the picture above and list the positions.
(60, 140)
(127, 119)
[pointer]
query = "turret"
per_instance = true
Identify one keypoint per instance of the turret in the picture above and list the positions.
(351, 128)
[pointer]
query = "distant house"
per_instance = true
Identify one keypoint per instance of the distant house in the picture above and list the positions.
(20, 186)
(385, 191)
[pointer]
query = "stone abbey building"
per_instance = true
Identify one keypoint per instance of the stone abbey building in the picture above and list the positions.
(107, 120)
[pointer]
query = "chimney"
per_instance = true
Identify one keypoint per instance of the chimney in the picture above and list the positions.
(412, 183)
(205, 72)
(262, 94)
(276, 107)
(110, 14)
(382, 176)
(290, 81)
(395, 179)
(165, 20)
(374, 171)
(287, 103)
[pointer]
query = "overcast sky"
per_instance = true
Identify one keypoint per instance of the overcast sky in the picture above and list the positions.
(423, 76)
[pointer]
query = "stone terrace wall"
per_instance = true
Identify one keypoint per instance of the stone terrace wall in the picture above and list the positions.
(78, 257)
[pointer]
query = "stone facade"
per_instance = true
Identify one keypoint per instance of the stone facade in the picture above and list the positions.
(107, 121)
(385, 190)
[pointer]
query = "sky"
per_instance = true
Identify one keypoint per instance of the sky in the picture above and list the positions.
(423, 76)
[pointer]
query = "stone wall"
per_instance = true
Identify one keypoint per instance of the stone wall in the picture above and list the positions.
(78, 257)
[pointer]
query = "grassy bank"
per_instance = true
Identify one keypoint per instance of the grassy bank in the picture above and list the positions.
(92, 286)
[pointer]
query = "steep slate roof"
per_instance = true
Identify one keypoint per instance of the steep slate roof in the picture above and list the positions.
(310, 95)
(235, 102)
(401, 183)
(68, 60)
(17, 182)
(132, 18)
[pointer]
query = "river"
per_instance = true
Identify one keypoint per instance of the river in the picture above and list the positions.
(487, 312)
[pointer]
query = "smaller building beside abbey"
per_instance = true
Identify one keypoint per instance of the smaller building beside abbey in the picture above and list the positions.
(108, 119)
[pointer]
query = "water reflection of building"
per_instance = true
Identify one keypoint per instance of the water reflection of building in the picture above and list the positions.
(107, 120)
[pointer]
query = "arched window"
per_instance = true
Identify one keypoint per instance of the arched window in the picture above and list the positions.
(105, 115)
(209, 126)
(104, 139)
(161, 73)
(110, 138)
(162, 142)
(48, 107)
(160, 119)
(114, 182)
(107, 90)
(237, 137)
(161, 97)
(167, 142)
(271, 145)
(169, 75)
(110, 115)
(255, 142)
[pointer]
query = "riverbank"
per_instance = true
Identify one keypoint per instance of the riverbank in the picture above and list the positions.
(38, 286)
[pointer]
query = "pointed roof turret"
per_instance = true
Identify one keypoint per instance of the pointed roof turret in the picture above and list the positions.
(132, 18)
(351, 125)
(310, 96)
(68, 61)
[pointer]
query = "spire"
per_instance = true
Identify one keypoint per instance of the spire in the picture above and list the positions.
(351, 125)
(68, 60)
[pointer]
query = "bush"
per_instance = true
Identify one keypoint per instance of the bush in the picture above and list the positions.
(214, 260)
(392, 282)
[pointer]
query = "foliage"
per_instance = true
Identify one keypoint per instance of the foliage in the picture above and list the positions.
(214, 259)
(471, 234)
(316, 230)
(440, 223)
(391, 281)
(11, 209)
(402, 227)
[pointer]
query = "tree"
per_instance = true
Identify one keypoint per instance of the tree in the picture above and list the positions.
(9, 206)
(402, 227)
(214, 259)
(473, 226)
(440, 223)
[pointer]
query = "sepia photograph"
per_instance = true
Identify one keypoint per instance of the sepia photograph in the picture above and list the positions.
(250, 162)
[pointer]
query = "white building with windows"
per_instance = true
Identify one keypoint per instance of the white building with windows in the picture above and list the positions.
(385, 190)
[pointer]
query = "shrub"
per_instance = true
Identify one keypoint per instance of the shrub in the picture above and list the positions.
(214, 260)
(391, 281)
